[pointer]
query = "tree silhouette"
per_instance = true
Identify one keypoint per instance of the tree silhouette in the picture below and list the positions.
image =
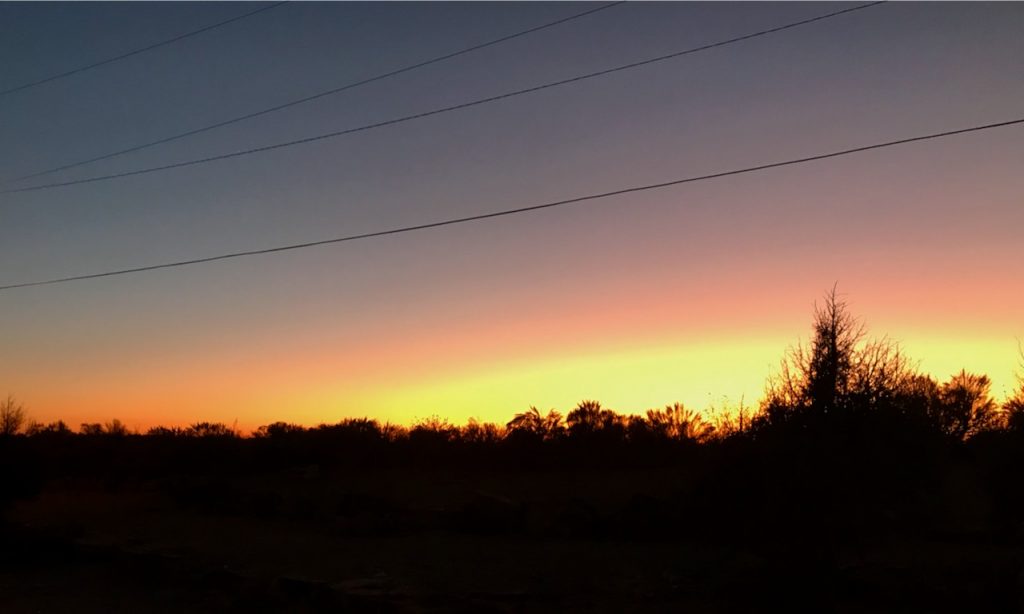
(433, 430)
(1014, 411)
(37, 429)
(880, 375)
(839, 372)
(920, 398)
(481, 432)
(828, 368)
(277, 430)
(91, 428)
(818, 376)
(966, 408)
(210, 429)
(727, 421)
(163, 431)
(1013, 408)
(12, 416)
(531, 422)
(589, 418)
(116, 428)
(678, 423)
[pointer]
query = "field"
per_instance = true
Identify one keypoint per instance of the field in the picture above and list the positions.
(443, 540)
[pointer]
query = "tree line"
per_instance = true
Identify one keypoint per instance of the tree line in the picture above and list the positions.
(840, 375)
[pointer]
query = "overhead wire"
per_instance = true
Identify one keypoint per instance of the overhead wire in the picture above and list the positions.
(519, 210)
(438, 111)
(110, 60)
(317, 96)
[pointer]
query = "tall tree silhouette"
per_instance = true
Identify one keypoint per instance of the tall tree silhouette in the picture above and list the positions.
(817, 376)
(12, 416)
(839, 371)
(827, 369)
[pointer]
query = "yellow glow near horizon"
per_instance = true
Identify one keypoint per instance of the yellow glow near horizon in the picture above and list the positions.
(995, 357)
(629, 379)
(700, 375)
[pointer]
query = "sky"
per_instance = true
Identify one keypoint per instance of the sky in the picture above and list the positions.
(687, 294)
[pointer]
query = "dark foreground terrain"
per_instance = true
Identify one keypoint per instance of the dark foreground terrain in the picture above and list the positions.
(448, 534)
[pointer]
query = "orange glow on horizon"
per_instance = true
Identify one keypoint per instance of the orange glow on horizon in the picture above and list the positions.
(629, 353)
(629, 379)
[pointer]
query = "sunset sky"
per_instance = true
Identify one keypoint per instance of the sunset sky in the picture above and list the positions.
(688, 294)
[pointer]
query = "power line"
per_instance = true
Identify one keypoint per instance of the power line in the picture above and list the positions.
(507, 212)
(439, 111)
(129, 54)
(317, 96)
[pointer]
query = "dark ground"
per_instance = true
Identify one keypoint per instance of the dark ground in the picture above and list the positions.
(444, 540)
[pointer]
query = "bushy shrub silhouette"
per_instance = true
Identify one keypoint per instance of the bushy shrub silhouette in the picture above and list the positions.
(965, 407)
(1013, 407)
(532, 424)
(56, 429)
(481, 433)
(1014, 411)
(589, 420)
(210, 429)
(675, 422)
(278, 430)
